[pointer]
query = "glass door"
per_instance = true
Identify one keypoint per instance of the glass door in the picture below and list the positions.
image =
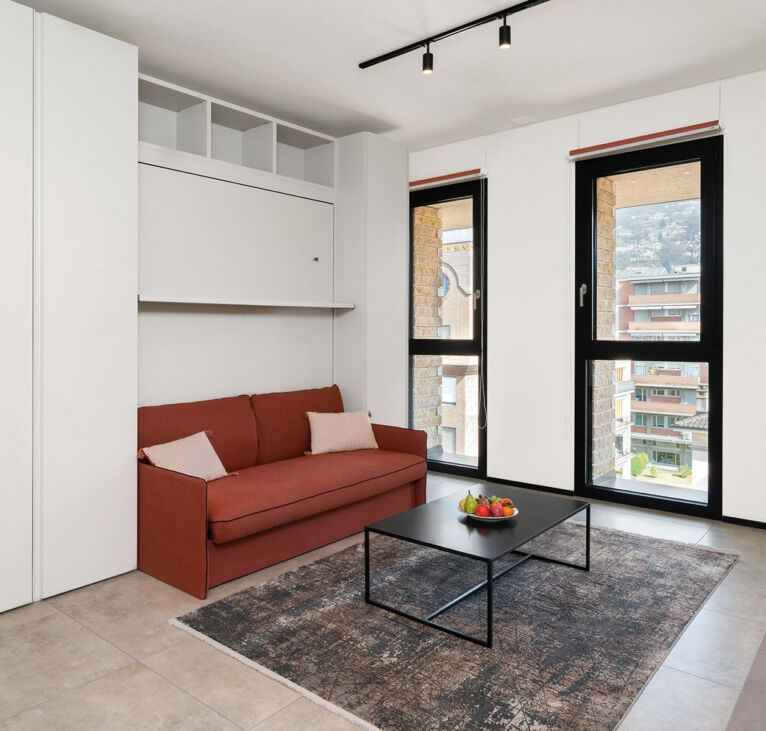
(648, 322)
(448, 324)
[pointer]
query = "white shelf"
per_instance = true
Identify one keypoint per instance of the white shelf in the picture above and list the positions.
(156, 299)
(181, 120)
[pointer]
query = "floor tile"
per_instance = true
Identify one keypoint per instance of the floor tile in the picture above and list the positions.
(28, 613)
(132, 698)
(131, 611)
(306, 716)
(48, 657)
(718, 647)
(749, 542)
(238, 692)
(655, 527)
(678, 701)
(742, 593)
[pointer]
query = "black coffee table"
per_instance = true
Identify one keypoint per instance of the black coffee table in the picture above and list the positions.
(439, 525)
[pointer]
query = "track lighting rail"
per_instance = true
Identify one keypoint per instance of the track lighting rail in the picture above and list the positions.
(498, 15)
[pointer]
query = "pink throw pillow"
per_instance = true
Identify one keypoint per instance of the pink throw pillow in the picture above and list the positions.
(344, 432)
(192, 456)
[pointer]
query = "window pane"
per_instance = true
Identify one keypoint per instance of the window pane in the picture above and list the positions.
(445, 404)
(648, 246)
(656, 444)
(442, 276)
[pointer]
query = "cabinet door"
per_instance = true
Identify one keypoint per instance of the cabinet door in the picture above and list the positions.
(87, 309)
(206, 239)
(16, 79)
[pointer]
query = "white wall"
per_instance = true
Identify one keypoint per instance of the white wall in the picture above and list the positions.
(188, 353)
(531, 278)
(371, 262)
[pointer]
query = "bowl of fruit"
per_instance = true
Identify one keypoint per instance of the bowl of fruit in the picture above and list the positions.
(487, 509)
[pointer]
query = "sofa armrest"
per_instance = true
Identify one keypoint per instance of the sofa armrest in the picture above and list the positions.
(396, 439)
(172, 528)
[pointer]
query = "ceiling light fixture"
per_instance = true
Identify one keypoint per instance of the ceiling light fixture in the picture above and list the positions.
(428, 61)
(505, 35)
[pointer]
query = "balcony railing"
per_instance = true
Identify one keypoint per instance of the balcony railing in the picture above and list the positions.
(624, 386)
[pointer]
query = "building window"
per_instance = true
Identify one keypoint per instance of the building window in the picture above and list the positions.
(664, 457)
(618, 409)
(640, 419)
(449, 439)
(449, 390)
(658, 421)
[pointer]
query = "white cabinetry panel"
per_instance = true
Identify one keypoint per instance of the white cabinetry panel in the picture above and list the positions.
(201, 238)
(16, 81)
(86, 338)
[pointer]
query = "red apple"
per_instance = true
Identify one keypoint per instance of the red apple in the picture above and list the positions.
(482, 511)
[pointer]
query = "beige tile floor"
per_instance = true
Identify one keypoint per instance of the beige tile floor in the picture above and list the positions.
(104, 656)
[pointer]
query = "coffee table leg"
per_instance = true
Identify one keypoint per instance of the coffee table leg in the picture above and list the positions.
(490, 593)
(367, 565)
(587, 538)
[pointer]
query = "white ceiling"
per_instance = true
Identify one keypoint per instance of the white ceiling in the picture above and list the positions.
(297, 59)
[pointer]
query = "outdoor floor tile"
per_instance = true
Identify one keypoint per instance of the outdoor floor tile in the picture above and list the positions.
(132, 698)
(236, 691)
(718, 647)
(306, 716)
(677, 701)
(48, 657)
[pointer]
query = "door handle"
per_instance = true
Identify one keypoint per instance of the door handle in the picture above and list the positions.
(583, 292)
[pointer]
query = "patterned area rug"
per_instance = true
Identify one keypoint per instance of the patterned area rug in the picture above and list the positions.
(572, 649)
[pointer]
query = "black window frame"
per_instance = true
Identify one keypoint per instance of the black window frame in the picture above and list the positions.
(477, 345)
(709, 349)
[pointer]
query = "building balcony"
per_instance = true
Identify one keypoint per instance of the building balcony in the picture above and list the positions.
(664, 326)
(624, 387)
(664, 380)
(660, 407)
(668, 298)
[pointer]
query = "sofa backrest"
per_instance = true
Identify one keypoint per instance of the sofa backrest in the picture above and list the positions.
(283, 429)
(231, 421)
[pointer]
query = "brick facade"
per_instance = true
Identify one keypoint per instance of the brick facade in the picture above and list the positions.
(603, 370)
(427, 319)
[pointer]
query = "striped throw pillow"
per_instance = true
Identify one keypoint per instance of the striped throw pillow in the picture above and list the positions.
(192, 456)
(342, 432)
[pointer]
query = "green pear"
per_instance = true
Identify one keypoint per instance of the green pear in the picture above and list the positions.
(470, 504)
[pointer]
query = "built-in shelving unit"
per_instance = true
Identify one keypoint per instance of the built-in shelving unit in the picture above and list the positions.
(174, 119)
(156, 299)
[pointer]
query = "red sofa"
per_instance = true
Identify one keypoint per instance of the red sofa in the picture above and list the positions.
(280, 503)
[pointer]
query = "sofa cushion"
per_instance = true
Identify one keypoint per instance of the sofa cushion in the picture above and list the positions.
(283, 428)
(269, 495)
(234, 435)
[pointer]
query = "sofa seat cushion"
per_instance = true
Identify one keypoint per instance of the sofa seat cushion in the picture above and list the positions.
(265, 496)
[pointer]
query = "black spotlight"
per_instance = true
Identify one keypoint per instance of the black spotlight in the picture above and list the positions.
(428, 60)
(505, 35)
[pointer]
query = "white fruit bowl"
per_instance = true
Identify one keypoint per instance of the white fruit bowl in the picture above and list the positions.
(489, 519)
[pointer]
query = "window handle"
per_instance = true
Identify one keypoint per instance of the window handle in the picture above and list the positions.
(583, 292)
(476, 298)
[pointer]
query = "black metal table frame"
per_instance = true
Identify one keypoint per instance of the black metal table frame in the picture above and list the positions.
(488, 582)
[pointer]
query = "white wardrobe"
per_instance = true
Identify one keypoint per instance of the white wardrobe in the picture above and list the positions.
(68, 207)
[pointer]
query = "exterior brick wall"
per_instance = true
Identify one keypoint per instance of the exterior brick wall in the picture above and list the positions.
(427, 319)
(603, 371)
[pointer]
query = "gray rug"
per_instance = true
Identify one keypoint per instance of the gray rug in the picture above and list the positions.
(572, 649)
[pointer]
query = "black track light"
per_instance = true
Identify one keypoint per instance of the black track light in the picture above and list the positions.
(428, 61)
(505, 35)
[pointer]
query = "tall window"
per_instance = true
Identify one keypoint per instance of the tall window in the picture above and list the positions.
(649, 283)
(448, 324)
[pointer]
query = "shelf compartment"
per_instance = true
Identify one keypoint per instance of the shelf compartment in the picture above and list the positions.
(241, 138)
(305, 156)
(159, 299)
(171, 118)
